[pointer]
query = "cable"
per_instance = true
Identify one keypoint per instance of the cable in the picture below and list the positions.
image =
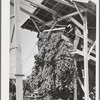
(30, 53)
(27, 57)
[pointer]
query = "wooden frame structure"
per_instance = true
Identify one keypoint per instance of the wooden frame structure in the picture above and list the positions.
(51, 24)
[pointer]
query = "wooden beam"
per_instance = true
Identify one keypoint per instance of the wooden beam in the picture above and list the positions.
(79, 11)
(32, 2)
(12, 32)
(65, 3)
(93, 51)
(82, 36)
(35, 25)
(92, 47)
(51, 29)
(75, 85)
(63, 17)
(19, 84)
(86, 79)
(76, 33)
(76, 42)
(27, 12)
(79, 52)
(77, 23)
(55, 29)
(81, 7)
(83, 1)
(81, 84)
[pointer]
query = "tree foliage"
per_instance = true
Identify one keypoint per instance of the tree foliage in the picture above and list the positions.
(54, 71)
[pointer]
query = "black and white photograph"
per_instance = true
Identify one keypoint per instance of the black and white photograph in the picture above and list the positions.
(53, 50)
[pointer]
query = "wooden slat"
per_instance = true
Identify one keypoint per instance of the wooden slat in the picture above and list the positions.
(63, 17)
(86, 78)
(19, 85)
(79, 11)
(92, 47)
(79, 52)
(12, 31)
(35, 25)
(81, 84)
(65, 3)
(77, 23)
(32, 2)
(27, 12)
(80, 35)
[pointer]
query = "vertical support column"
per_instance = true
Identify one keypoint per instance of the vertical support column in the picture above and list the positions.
(19, 86)
(97, 52)
(86, 80)
(75, 85)
(76, 42)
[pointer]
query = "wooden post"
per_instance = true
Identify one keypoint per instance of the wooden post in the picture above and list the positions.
(86, 79)
(76, 42)
(19, 86)
(75, 85)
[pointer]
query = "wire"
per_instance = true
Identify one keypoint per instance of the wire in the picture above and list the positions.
(30, 53)
(27, 57)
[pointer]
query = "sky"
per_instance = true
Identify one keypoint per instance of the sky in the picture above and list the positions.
(28, 44)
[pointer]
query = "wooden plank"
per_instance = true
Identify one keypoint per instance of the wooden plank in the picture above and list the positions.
(86, 79)
(82, 1)
(64, 17)
(81, 84)
(79, 11)
(77, 23)
(79, 52)
(65, 3)
(87, 6)
(55, 29)
(35, 25)
(93, 51)
(51, 29)
(32, 2)
(92, 47)
(27, 12)
(82, 36)
(19, 84)
(76, 42)
(12, 32)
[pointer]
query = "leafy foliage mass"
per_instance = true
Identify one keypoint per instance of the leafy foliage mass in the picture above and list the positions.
(54, 71)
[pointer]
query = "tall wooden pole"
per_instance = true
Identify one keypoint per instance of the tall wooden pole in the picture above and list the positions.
(86, 79)
(19, 86)
(75, 85)
(76, 42)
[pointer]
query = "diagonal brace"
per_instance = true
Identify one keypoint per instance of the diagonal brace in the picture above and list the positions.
(55, 22)
(12, 35)
(81, 84)
(35, 25)
(92, 47)
(79, 11)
